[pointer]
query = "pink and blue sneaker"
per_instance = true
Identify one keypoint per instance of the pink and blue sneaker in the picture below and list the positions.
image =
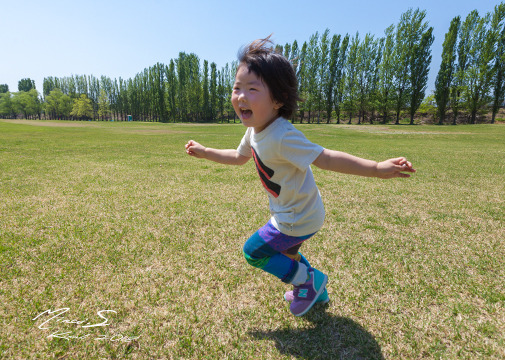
(307, 294)
(322, 299)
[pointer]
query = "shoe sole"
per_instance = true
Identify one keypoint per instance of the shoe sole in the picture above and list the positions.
(321, 289)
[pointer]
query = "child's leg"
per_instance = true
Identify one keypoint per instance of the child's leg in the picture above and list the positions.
(294, 254)
(265, 249)
(303, 260)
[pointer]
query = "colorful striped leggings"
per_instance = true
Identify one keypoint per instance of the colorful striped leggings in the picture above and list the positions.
(275, 252)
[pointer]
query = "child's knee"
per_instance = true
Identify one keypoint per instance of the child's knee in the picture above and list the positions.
(258, 262)
(253, 252)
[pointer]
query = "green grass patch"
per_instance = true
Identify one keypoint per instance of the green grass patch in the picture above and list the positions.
(115, 216)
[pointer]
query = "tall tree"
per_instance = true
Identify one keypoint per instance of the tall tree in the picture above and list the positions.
(213, 91)
(463, 49)
(26, 84)
(340, 77)
(331, 76)
(386, 75)
(443, 82)
(228, 79)
(350, 94)
(374, 78)
(313, 59)
(158, 90)
(408, 33)
(484, 32)
(302, 77)
(48, 85)
(106, 86)
(103, 105)
(294, 55)
(287, 51)
(206, 92)
(195, 87)
(122, 90)
(172, 91)
(499, 75)
(479, 57)
(93, 86)
(221, 94)
(324, 59)
(419, 69)
(4, 88)
(365, 62)
(183, 88)
(70, 85)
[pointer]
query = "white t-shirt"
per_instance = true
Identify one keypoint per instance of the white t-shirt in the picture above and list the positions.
(283, 156)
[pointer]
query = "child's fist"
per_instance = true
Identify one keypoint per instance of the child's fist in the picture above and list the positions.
(394, 168)
(195, 149)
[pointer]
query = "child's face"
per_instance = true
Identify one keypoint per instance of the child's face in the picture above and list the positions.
(252, 100)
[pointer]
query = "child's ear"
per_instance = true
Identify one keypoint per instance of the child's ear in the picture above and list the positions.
(281, 104)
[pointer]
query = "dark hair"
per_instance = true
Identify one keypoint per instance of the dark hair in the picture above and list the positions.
(275, 70)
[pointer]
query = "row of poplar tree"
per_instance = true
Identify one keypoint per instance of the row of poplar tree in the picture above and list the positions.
(339, 77)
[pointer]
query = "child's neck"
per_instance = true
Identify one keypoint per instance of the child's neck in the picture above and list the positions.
(259, 129)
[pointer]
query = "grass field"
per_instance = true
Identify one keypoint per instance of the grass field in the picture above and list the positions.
(136, 248)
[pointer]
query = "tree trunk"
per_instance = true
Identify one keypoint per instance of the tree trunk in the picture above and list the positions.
(474, 115)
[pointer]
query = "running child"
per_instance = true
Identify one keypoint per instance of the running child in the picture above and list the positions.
(265, 96)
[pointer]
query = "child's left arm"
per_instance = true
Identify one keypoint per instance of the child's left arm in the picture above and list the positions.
(350, 164)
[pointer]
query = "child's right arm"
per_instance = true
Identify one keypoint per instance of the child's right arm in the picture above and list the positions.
(350, 164)
(228, 156)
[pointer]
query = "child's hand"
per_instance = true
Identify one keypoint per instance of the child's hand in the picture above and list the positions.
(195, 149)
(393, 168)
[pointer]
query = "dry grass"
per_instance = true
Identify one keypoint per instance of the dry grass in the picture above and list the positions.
(115, 216)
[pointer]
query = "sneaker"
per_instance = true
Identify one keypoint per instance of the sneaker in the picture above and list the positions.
(306, 295)
(322, 299)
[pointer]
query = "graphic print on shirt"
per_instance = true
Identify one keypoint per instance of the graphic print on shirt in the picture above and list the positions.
(266, 174)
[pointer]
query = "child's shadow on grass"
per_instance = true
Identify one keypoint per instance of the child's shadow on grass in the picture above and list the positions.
(331, 337)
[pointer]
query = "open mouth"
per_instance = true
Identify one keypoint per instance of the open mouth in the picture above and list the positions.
(246, 113)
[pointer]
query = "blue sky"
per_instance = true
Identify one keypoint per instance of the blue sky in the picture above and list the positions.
(121, 38)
